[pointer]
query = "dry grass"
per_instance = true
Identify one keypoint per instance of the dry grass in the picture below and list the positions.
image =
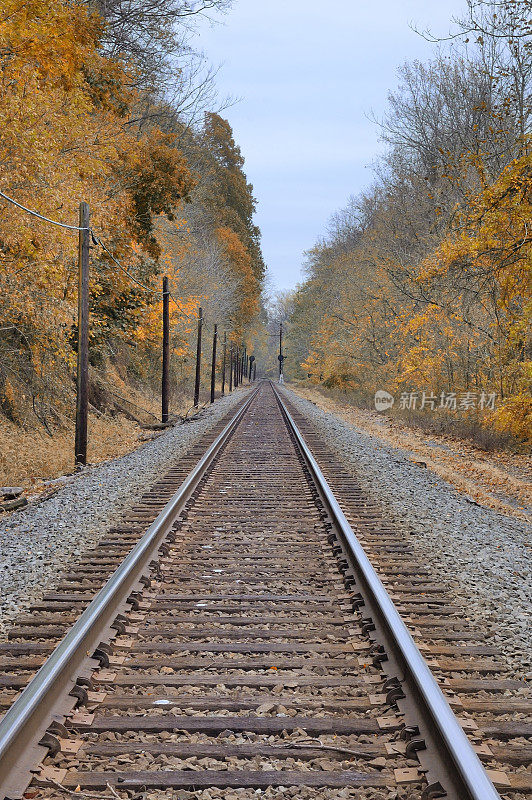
(122, 401)
(29, 456)
(498, 480)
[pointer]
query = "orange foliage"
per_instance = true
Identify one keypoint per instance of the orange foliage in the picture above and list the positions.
(65, 138)
(240, 261)
(458, 320)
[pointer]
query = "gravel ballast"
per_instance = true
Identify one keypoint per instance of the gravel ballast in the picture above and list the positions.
(37, 542)
(484, 553)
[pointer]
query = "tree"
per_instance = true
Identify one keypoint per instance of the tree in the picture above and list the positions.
(70, 106)
(227, 193)
(423, 282)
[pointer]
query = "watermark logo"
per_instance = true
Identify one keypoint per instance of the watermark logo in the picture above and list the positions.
(383, 400)
(429, 401)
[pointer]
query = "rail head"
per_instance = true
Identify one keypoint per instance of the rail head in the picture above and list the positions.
(460, 753)
(47, 697)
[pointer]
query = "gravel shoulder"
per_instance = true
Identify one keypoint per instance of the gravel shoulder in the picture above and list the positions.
(36, 542)
(485, 553)
(500, 480)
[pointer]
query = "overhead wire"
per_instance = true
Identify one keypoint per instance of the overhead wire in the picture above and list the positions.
(40, 216)
(178, 303)
(96, 240)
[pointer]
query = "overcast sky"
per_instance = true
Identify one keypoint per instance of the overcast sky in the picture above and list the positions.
(309, 74)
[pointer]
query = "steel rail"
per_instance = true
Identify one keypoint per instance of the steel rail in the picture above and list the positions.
(27, 720)
(472, 775)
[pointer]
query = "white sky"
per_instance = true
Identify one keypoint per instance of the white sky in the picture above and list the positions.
(309, 74)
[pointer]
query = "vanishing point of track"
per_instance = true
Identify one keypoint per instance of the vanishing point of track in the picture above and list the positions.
(243, 641)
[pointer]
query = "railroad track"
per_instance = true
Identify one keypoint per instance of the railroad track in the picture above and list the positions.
(242, 644)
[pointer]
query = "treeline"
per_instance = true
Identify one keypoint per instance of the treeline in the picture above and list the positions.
(107, 102)
(422, 283)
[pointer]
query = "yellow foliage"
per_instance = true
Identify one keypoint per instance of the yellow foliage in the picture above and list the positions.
(64, 139)
(240, 261)
(457, 320)
(515, 416)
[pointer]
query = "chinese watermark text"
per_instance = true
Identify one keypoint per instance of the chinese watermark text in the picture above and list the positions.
(429, 401)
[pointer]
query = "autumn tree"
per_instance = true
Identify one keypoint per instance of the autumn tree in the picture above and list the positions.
(423, 281)
(220, 224)
(75, 127)
(228, 194)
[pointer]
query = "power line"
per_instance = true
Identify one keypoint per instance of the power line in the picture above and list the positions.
(180, 307)
(40, 216)
(96, 240)
(177, 302)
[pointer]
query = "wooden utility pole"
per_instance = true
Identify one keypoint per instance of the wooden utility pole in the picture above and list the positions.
(213, 363)
(165, 388)
(281, 356)
(198, 359)
(223, 363)
(82, 387)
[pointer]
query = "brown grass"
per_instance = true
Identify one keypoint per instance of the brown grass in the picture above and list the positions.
(37, 438)
(498, 479)
(27, 456)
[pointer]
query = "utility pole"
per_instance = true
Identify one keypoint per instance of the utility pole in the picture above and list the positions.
(213, 363)
(281, 357)
(231, 368)
(165, 388)
(198, 359)
(223, 363)
(82, 383)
